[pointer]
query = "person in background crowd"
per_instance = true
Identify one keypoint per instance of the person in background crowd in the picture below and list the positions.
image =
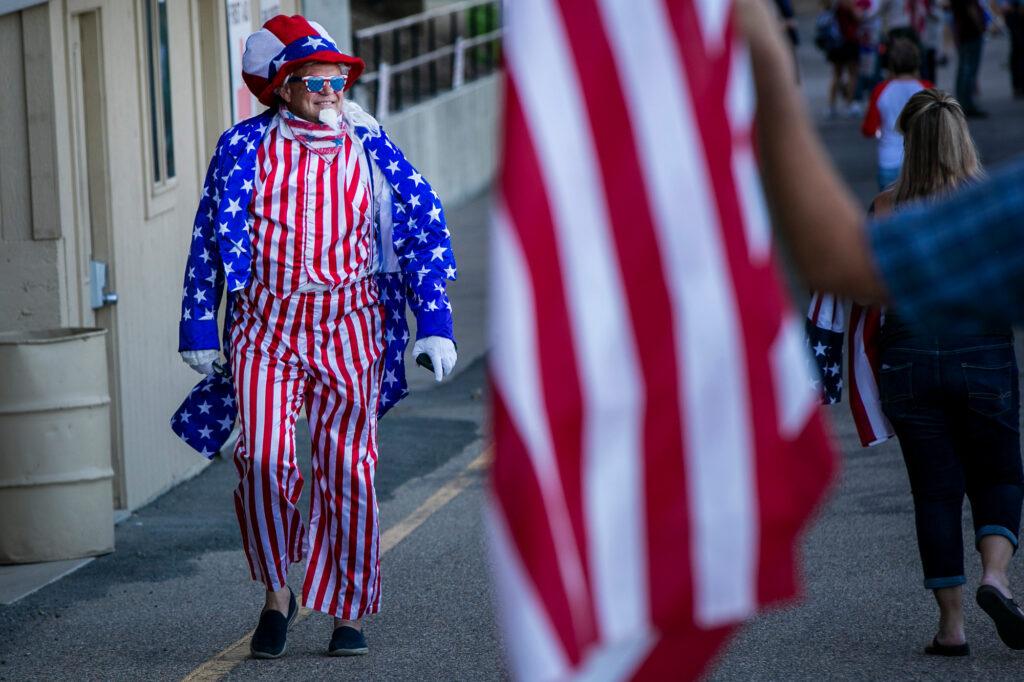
(969, 35)
(870, 47)
(887, 102)
(902, 19)
(931, 39)
(899, 19)
(1013, 15)
(843, 53)
(953, 401)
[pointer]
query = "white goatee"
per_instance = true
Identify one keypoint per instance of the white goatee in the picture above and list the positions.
(329, 117)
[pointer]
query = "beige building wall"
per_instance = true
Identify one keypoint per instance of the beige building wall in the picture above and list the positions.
(30, 287)
(76, 183)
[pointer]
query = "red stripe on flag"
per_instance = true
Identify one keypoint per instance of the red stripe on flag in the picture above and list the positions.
(675, 657)
(860, 417)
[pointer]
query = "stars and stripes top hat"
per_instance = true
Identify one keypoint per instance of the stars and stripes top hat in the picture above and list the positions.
(283, 44)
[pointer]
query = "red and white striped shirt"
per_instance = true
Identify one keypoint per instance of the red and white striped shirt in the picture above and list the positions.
(887, 102)
(310, 215)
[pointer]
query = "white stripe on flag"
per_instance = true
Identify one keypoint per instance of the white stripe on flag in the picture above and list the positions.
(713, 15)
(795, 397)
(617, 661)
(537, 48)
(833, 311)
(715, 408)
(741, 106)
(867, 388)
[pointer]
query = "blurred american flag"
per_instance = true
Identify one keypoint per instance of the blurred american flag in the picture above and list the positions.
(658, 445)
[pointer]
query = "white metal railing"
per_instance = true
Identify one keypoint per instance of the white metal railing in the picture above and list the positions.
(435, 13)
(389, 70)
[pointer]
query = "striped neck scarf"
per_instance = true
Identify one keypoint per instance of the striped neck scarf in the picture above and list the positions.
(319, 138)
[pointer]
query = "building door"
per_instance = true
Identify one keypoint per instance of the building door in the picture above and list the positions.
(95, 260)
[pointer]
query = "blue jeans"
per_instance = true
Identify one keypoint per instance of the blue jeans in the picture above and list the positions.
(967, 65)
(954, 404)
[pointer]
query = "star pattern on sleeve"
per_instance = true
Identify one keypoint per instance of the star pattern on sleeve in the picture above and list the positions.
(220, 256)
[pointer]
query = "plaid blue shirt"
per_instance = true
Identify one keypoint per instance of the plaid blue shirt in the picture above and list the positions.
(958, 263)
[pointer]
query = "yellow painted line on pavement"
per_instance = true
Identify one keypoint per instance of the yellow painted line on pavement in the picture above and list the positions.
(225, 661)
(445, 494)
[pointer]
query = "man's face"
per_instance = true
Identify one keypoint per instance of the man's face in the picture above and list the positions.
(306, 104)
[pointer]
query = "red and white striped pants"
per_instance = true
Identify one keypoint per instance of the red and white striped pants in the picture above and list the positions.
(323, 351)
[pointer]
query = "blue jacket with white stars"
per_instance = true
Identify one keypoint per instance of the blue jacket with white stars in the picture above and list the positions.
(415, 269)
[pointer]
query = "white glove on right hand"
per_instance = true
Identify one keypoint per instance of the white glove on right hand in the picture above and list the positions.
(441, 352)
(201, 360)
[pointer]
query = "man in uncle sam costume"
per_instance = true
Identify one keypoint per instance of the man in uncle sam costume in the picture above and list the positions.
(321, 232)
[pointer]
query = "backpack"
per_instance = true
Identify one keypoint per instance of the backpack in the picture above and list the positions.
(827, 35)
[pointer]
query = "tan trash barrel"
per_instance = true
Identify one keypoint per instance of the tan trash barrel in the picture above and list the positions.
(56, 498)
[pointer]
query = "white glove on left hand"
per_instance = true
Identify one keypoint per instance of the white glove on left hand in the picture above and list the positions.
(441, 352)
(201, 361)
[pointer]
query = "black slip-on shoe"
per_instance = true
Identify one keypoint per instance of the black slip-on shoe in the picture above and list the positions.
(271, 637)
(1005, 613)
(936, 649)
(346, 641)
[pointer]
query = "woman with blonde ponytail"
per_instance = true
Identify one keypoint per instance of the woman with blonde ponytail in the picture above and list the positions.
(953, 402)
(944, 156)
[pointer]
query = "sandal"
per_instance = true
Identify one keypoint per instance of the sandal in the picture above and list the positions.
(936, 649)
(1005, 613)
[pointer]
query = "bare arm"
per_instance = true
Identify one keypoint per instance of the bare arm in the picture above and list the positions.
(811, 207)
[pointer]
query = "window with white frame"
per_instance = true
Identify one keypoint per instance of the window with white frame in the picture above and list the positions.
(158, 74)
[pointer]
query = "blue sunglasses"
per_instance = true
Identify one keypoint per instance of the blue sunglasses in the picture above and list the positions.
(316, 84)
